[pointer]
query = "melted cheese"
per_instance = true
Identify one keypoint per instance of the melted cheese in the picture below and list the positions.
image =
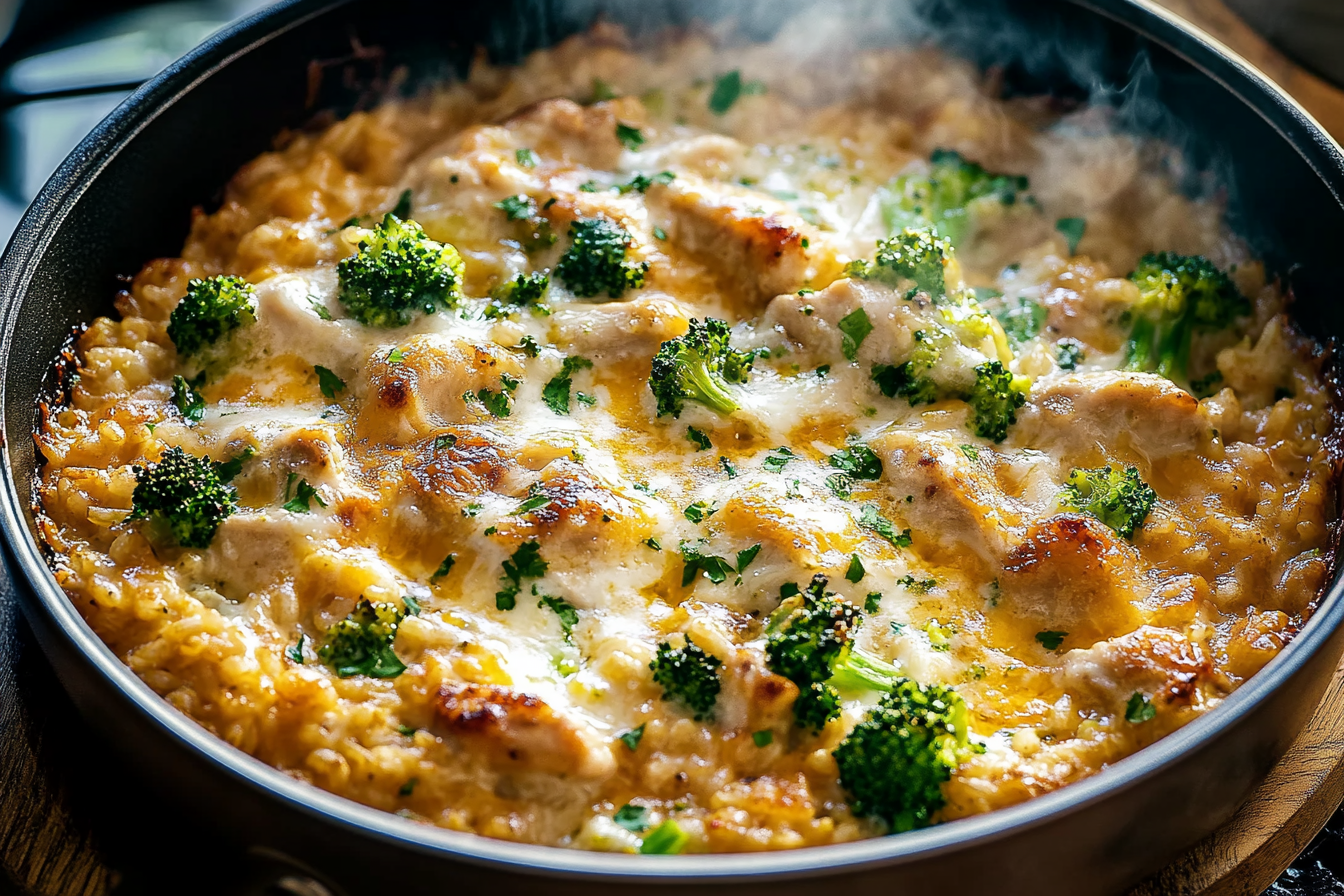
(502, 726)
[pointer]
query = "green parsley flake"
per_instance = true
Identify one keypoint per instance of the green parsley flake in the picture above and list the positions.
(328, 382)
(630, 137)
(872, 519)
(1072, 230)
(526, 158)
(872, 602)
(303, 495)
(295, 650)
(1051, 640)
(189, 402)
(526, 563)
(854, 328)
(763, 738)
(1139, 709)
(700, 511)
(632, 737)
(698, 439)
(856, 572)
(745, 556)
(445, 567)
(632, 818)
(777, 460)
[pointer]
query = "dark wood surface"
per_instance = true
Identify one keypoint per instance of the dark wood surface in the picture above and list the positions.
(73, 824)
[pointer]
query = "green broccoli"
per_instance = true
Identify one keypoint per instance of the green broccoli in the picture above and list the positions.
(698, 367)
(894, 763)
(210, 309)
(361, 643)
(911, 379)
(185, 494)
(398, 271)
(914, 255)
(688, 675)
(523, 290)
(994, 400)
(595, 262)
(949, 196)
(809, 643)
(1120, 499)
(1179, 295)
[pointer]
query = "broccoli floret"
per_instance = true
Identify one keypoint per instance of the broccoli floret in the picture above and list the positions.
(911, 379)
(688, 675)
(361, 643)
(916, 254)
(185, 494)
(949, 195)
(698, 367)
(894, 763)
(1179, 295)
(994, 400)
(398, 271)
(1120, 499)
(809, 643)
(210, 309)
(595, 262)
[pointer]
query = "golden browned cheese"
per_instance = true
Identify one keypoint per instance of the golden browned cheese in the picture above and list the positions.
(504, 724)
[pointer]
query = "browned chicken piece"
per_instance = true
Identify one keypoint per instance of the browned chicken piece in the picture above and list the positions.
(755, 243)
(1162, 665)
(579, 135)
(619, 329)
(1089, 418)
(425, 389)
(812, 321)
(954, 503)
(519, 732)
(1071, 574)
(753, 697)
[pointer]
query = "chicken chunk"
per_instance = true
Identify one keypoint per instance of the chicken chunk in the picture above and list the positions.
(755, 243)
(520, 732)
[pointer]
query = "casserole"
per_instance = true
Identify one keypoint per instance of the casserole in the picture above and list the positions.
(1244, 203)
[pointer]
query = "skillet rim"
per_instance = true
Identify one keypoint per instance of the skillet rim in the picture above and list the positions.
(99, 149)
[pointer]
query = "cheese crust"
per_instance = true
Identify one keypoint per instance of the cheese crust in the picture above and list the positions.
(504, 725)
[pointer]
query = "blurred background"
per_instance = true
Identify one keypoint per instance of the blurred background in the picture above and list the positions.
(64, 64)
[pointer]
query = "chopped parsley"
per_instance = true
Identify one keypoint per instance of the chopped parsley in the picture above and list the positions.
(328, 382)
(640, 183)
(840, 485)
(499, 404)
(295, 650)
(227, 470)
(518, 208)
(700, 511)
(303, 495)
(727, 466)
(396, 356)
(659, 233)
(632, 818)
(745, 556)
(668, 839)
(716, 569)
(556, 392)
(917, 586)
(653, 542)
(526, 563)
(698, 439)
(854, 328)
(1051, 640)
(630, 137)
(567, 613)
(1072, 230)
(447, 440)
(189, 402)
(728, 88)
(873, 520)
(632, 737)
(445, 567)
(971, 452)
(763, 738)
(777, 460)
(1070, 353)
(526, 158)
(1139, 709)
(872, 602)
(534, 501)
(857, 462)
(856, 572)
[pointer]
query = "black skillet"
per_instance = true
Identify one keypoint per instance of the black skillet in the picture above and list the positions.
(124, 197)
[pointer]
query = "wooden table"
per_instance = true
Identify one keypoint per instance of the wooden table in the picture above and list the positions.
(67, 828)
